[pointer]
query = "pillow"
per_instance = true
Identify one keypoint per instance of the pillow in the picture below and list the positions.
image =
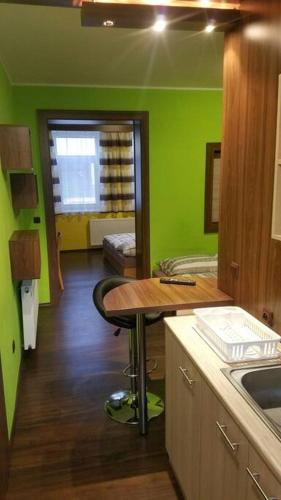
(189, 264)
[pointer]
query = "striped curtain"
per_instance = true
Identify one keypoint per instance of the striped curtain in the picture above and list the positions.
(117, 188)
(55, 176)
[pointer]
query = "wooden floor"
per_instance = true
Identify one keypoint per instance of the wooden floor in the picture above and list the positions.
(64, 446)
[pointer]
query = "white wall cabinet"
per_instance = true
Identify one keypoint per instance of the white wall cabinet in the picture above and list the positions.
(210, 455)
(276, 207)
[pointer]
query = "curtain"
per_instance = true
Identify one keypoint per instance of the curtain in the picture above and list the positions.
(117, 187)
(55, 175)
(75, 171)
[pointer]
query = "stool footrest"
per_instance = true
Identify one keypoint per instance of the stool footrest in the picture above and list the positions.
(126, 371)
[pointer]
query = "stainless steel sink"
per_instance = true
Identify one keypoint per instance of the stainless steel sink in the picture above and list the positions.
(261, 387)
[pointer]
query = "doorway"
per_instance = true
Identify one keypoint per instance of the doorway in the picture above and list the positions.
(139, 121)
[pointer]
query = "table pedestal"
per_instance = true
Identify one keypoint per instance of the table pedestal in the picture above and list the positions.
(142, 403)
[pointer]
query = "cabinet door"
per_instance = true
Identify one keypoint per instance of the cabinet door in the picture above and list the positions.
(261, 483)
(224, 452)
(183, 418)
(15, 148)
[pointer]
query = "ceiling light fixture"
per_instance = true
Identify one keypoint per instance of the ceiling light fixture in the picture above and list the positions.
(108, 23)
(210, 27)
(160, 24)
(205, 3)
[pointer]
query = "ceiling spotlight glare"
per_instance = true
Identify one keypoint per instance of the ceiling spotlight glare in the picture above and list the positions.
(108, 23)
(159, 25)
(205, 3)
(210, 28)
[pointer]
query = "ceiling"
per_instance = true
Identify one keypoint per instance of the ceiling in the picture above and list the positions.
(47, 45)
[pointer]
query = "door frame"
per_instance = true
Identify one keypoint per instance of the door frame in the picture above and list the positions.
(141, 131)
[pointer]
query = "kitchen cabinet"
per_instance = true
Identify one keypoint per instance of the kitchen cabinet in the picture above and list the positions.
(24, 191)
(261, 483)
(183, 399)
(15, 148)
(223, 454)
(214, 439)
(25, 259)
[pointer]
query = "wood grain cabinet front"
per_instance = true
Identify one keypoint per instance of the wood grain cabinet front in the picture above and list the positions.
(25, 258)
(224, 452)
(261, 483)
(183, 403)
(15, 148)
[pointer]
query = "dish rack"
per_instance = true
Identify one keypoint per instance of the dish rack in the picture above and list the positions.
(235, 335)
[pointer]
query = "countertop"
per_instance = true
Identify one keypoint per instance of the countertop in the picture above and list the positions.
(209, 364)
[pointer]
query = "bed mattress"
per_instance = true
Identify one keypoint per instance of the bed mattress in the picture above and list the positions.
(125, 243)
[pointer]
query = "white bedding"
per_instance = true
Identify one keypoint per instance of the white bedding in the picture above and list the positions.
(123, 242)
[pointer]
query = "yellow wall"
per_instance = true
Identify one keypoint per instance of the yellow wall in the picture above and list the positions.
(74, 229)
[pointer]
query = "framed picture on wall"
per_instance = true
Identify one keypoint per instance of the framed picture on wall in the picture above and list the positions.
(212, 187)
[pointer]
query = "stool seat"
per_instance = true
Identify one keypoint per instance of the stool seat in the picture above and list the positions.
(129, 322)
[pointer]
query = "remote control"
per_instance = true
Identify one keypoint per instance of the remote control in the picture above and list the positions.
(178, 281)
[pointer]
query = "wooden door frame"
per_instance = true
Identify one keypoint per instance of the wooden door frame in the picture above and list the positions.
(141, 124)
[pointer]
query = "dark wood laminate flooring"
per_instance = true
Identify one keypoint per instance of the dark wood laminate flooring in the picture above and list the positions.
(64, 445)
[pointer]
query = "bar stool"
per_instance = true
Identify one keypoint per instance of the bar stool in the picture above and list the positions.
(122, 406)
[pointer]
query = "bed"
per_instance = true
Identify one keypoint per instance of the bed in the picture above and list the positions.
(204, 266)
(120, 251)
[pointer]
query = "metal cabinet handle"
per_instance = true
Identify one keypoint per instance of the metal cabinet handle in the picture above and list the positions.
(234, 446)
(184, 371)
(255, 478)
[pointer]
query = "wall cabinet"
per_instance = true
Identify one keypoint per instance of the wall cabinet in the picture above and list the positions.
(210, 455)
(183, 423)
(25, 255)
(24, 191)
(276, 209)
(15, 148)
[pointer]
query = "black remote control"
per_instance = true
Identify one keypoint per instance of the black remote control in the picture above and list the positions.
(178, 281)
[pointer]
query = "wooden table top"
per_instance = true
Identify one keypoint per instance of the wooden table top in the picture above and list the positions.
(148, 295)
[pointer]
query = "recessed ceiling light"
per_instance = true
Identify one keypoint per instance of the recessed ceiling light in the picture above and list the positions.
(160, 24)
(210, 28)
(108, 23)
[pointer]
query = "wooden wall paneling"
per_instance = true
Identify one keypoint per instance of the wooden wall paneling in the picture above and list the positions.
(245, 228)
(232, 171)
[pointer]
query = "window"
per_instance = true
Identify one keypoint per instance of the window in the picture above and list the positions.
(77, 166)
(212, 187)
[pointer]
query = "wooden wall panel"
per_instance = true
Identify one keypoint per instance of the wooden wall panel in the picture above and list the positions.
(251, 68)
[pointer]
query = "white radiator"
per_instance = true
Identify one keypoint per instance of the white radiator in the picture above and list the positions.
(101, 227)
(30, 304)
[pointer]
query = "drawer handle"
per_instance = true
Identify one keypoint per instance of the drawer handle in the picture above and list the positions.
(234, 446)
(255, 478)
(184, 371)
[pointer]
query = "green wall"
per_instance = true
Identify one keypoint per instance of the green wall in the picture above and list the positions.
(181, 122)
(9, 311)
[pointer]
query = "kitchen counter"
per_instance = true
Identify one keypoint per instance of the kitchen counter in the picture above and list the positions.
(209, 365)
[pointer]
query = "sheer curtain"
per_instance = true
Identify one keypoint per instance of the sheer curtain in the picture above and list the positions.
(75, 170)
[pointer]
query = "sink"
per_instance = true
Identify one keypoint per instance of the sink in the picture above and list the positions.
(261, 387)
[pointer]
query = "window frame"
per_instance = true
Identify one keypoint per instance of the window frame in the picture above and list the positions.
(212, 150)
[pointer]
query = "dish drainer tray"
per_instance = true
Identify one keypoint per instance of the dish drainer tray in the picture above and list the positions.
(236, 335)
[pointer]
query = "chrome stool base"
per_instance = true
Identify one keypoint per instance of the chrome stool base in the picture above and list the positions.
(122, 407)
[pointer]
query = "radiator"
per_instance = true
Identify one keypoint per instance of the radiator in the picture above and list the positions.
(101, 227)
(29, 302)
